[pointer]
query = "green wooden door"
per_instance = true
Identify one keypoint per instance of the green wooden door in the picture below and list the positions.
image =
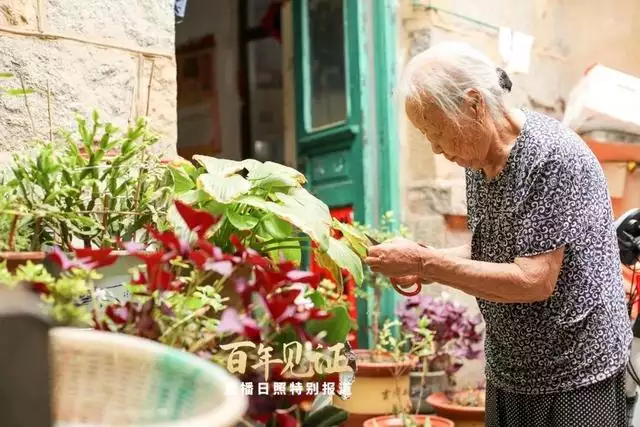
(329, 119)
(343, 64)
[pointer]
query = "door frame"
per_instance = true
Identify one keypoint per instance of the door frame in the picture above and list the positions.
(371, 47)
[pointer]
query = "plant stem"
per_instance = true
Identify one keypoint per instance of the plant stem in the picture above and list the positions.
(26, 103)
(375, 317)
(12, 232)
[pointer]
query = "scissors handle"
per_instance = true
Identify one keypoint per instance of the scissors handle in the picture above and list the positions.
(403, 290)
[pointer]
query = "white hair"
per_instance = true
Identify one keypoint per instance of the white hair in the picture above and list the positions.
(445, 73)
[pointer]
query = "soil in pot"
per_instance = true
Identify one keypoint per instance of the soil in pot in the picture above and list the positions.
(423, 385)
(379, 388)
(419, 420)
(462, 416)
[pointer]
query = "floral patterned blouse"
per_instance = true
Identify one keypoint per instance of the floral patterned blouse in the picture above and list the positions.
(551, 193)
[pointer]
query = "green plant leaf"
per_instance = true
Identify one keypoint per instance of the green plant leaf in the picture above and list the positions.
(193, 196)
(224, 189)
(324, 261)
(318, 299)
(223, 167)
(337, 326)
(358, 242)
(294, 212)
(344, 257)
(18, 92)
(290, 251)
(240, 221)
(6, 76)
(327, 416)
(276, 227)
(270, 174)
(182, 182)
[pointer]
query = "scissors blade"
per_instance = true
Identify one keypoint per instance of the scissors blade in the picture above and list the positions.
(372, 240)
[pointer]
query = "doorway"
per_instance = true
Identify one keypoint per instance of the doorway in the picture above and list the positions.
(230, 85)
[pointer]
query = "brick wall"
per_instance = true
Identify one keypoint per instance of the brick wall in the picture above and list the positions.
(116, 56)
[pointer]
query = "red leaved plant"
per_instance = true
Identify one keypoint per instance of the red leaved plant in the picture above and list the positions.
(176, 300)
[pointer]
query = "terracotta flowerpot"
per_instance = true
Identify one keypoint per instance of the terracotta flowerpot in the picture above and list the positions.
(378, 389)
(16, 259)
(462, 416)
(424, 385)
(394, 421)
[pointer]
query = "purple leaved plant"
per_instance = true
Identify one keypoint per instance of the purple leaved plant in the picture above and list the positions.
(457, 335)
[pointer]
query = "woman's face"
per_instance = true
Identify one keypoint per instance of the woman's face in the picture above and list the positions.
(466, 145)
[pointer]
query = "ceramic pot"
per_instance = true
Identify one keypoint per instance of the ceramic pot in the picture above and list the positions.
(462, 416)
(420, 420)
(16, 259)
(423, 385)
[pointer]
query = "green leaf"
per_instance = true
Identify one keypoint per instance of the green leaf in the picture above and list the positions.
(6, 76)
(276, 227)
(358, 242)
(327, 416)
(324, 261)
(240, 221)
(289, 251)
(18, 92)
(344, 257)
(224, 189)
(193, 196)
(223, 167)
(270, 174)
(295, 213)
(181, 180)
(318, 299)
(337, 326)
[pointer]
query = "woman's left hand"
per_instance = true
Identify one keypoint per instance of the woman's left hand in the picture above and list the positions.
(396, 257)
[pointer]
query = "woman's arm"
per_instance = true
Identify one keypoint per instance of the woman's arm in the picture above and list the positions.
(526, 280)
(463, 251)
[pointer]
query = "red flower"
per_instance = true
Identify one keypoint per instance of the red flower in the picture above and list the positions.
(197, 221)
(232, 322)
(170, 241)
(95, 258)
(282, 306)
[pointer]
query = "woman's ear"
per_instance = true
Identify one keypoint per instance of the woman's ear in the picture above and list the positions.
(476, 104)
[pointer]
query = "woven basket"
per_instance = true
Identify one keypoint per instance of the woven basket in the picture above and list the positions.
(110, 379)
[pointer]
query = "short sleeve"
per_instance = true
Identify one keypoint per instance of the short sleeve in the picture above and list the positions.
(552, 213)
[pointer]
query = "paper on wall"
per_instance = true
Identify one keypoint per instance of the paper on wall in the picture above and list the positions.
(505, 38)
(515, 49)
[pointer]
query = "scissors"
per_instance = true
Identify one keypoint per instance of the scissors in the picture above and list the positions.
(402, 290)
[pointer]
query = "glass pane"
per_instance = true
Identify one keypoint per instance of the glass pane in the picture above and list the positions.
(327, 62)
(267, 104)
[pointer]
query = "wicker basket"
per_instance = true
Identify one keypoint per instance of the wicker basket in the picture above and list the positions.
(110, 379)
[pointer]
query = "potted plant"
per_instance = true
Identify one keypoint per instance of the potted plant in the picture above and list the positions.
(465, 407)
(176, 300)
(94, 189)
(457, 338)
(409, 421)
(267, 207)
(381, 384)
(376, 366)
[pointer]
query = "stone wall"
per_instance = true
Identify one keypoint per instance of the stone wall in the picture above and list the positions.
(569, 37)
(115, 56)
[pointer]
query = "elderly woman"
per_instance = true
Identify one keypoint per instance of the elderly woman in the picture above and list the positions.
(543, 261)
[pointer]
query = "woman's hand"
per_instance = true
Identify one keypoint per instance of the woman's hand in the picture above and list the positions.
(399, 258)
